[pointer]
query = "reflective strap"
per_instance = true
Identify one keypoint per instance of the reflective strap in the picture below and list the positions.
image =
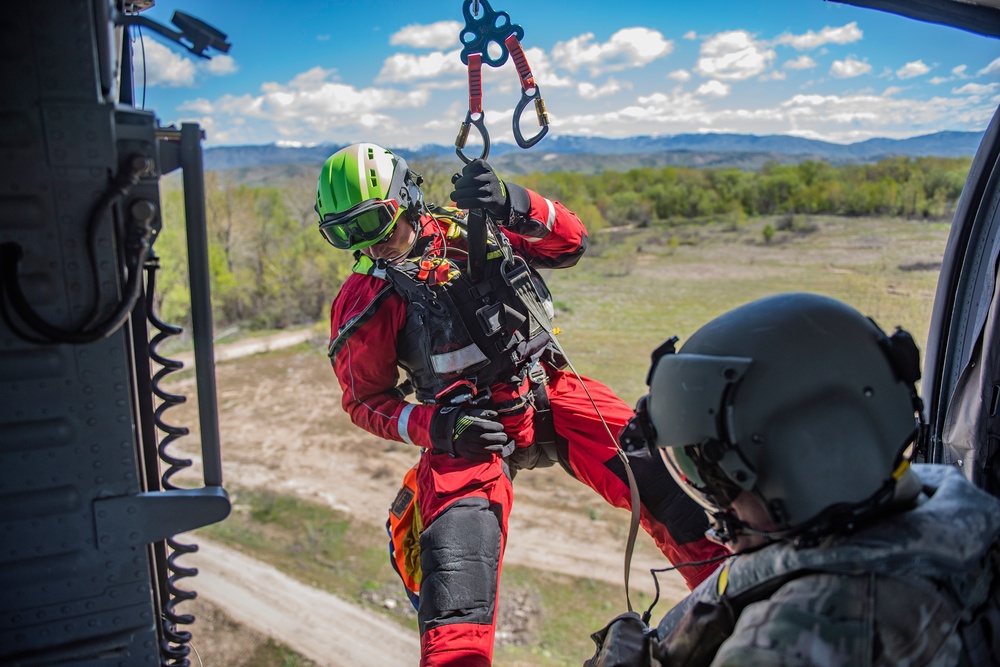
(404, 422)
(456, 360)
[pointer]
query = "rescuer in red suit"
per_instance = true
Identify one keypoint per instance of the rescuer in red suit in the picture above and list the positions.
(483, 369)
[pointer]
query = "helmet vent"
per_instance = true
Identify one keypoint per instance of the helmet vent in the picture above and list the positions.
(374, 177)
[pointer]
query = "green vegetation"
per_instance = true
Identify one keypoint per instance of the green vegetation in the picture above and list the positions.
(270, 269)
(914, 188)
(273, 654)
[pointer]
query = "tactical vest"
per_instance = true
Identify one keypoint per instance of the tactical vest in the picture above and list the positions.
(948, 546)
(460, 338)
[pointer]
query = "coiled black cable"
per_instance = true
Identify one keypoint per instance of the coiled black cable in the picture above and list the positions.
(175, 647)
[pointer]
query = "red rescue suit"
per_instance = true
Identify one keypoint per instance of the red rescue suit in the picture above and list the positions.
(465, 505)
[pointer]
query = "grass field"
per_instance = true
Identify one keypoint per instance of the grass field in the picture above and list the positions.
(638, 287)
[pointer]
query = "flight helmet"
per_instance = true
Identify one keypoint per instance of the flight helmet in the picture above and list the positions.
(797, 399)
(362, 192)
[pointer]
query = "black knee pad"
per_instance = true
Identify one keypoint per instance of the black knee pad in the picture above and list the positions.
(459, 557)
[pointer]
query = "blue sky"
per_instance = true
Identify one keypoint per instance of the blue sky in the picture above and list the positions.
(315, 71)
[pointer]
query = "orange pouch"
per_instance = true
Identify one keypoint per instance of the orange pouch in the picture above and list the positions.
(404, 527)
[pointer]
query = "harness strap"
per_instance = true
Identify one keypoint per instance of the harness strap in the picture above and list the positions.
(545, 428)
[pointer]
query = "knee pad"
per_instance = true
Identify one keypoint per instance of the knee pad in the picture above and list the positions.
(459, 559)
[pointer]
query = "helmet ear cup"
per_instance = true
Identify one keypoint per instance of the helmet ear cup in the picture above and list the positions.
(411, 197)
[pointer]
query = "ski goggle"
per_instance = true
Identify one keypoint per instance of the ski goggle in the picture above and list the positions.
(362, 225)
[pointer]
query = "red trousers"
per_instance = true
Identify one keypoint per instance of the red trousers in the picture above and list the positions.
(465, 506)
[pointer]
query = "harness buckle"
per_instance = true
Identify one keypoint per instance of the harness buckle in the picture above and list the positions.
(537, 375)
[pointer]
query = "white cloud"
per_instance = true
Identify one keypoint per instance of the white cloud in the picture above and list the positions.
(428, 36)
(849, 68)
(589, 91)
(681, 75)
(221, 66)
(163, 66)
(959, 71)
(977, 89)
(802, 62)
(690, 34)
(407, 67)
(171, 69)
(839, 118)
(774, 75)
(912, 69)
(713, 88)
(992, 68)
(733, 56)
(651, 113)
(865, 116)
(629, 47)
(811, 40)
(938, 80)
(308, 106)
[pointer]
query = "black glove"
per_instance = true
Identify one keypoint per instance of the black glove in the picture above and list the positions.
(478, 186)
(473, 434)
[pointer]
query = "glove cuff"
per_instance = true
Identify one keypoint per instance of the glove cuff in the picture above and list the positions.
(518, 203)
(442, 428)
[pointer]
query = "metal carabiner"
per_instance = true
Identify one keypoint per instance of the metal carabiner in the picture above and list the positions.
(529, 92)
(463, 135)
(543, 118)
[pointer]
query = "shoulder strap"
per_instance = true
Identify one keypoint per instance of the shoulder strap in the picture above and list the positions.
(357, 321)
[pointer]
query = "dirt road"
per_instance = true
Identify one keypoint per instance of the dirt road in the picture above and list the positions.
(314, 623)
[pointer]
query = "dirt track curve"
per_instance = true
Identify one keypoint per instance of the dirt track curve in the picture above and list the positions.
(314, 623)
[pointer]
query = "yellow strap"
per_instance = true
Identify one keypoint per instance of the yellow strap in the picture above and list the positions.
(724, 578)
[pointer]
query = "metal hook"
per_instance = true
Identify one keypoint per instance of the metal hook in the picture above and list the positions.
(463, 135)
(540, 112)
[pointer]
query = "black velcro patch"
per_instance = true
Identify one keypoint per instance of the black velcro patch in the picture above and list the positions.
(402, 501)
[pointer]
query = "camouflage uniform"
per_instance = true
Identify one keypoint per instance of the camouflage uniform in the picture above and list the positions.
(914, 588)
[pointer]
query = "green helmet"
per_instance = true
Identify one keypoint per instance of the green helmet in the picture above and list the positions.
(797, 399)
(361, 192)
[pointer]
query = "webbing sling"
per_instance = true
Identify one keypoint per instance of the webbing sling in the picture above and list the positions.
(516, 273)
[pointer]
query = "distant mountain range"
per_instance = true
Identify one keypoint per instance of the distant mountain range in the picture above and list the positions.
(595, 154)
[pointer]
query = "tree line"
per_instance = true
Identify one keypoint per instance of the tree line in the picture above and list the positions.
(270, 268)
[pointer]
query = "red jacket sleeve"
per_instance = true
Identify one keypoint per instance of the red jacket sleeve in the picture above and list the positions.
(547, 233)
(365, 320)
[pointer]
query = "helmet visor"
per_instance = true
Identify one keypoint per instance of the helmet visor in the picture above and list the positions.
(701, 479)
(360, 226)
